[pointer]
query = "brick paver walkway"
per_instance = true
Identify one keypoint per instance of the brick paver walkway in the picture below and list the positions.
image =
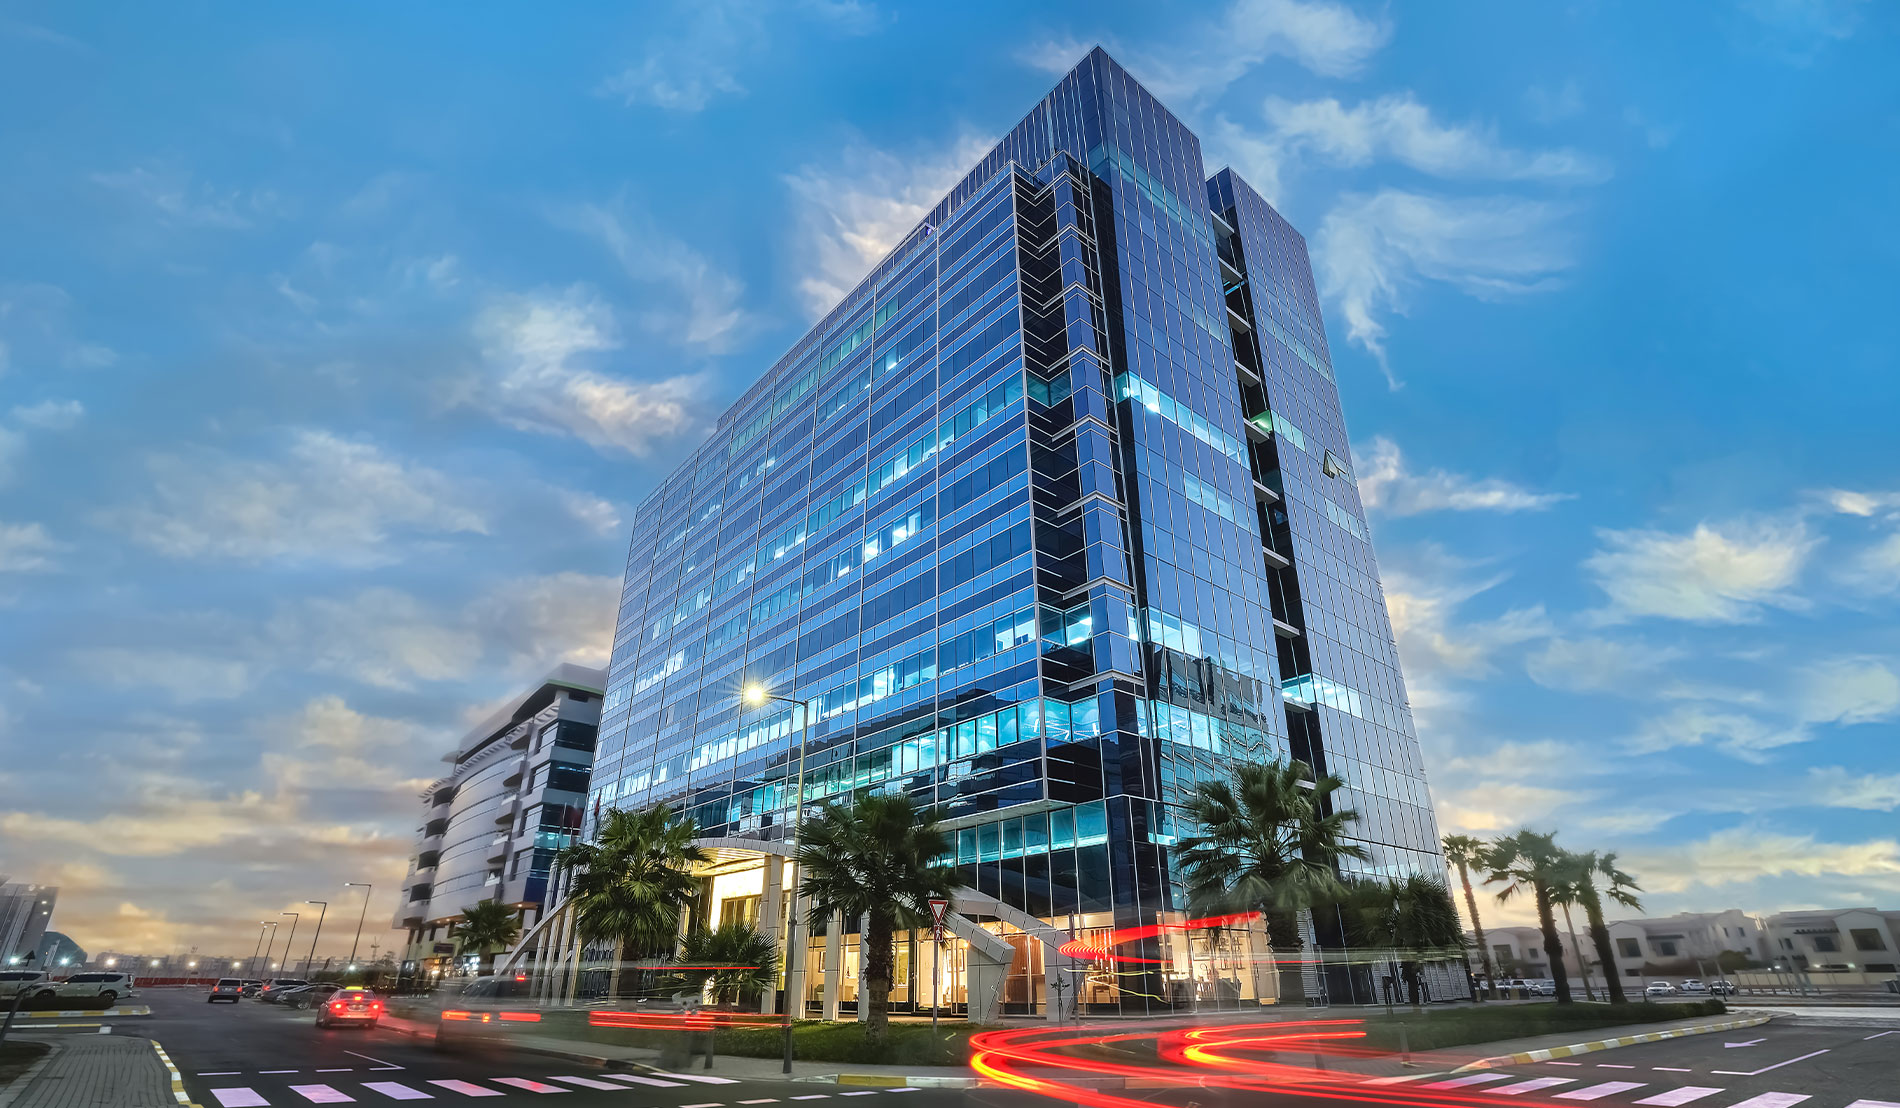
(100, 1071)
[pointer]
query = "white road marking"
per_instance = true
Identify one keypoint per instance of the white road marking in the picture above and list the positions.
(1679, 1096)
(642, 1079)
(712, 1104)
(380, 1064)
(702, 1078)
(1566, 1063)
(105, 1029)
(529, 1084)
(813, 1096)
(1402, 1078)
(1598, 1092)
(590, 1083)
(1613, 1066)
(1875, 1103)
(239, 1097)
(396, 1090)
(339, 1069)
(1531, 1086)
(1771, 1100)
(1474, 1079)
(321, 1094)
(220, 1073)
(466, 1088)
(1877, 1035)
(277, 1071)
(1776, 1066)
(1671, 1069)
(762, 1100)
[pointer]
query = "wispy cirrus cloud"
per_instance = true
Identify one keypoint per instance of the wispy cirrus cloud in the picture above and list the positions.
(541, 348)
(26, 548)
(1398, 128)
(853, 212)
(694, 303)
(1387, 486)
(180, 199)
(701, 48)
(1373, 248)
(1725, 572)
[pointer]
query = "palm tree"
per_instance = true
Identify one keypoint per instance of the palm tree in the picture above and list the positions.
(734, 958)
(1566, 891)
(1267, 843)
(1531, 861)
(1414, 915)
(629, 884)
(876, 860)
(486, 924)
(1463, 852)
(1618, 886)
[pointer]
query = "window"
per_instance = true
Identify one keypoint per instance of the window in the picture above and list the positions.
(1628, 948)
(1666, 947)
(1826, 944)
(1868, 938)
(1787, 944)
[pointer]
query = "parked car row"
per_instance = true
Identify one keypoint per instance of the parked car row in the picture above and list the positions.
(105, 985)
(333, 1003)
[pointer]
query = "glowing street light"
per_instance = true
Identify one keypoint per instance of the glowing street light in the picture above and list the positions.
(758, 696)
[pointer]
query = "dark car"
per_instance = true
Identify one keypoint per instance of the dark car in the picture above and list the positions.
(310, 995)
(1722, 988)
(251, 985)
(279, 984)
(227, 988)
(353, 1005)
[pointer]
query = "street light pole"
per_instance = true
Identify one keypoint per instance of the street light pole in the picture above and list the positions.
(313, 938)
(361, 916)
(255, 947)
(293, 934)
(758, 695)
(273, 942)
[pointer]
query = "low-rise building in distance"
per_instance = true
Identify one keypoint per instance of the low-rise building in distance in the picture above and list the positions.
(491, 825)
(1850, 940)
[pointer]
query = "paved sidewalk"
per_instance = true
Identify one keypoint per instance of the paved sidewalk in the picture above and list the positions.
(98, 1071)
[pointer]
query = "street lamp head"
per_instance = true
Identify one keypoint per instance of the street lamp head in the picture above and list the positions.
(756, 695)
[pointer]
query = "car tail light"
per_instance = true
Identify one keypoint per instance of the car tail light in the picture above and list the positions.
(336, 1006)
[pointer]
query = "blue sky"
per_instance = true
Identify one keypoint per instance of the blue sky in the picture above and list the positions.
(336, 346)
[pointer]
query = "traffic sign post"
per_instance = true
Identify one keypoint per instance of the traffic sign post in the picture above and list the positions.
(938, 906)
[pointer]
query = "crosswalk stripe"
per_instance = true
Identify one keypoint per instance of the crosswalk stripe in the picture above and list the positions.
(1461, 1082)
(396, 1090)
(1875, 1103)
(1530, 1086)
(1771, 1100)
(466, 1088)
(590, 1083)
(641, 1079)
(239, 1097)
(529, 1084)
(322, 1094)
(1679, 1096)
(702, 1078)
(1598, 1092)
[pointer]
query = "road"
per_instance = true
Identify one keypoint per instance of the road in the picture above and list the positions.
(252, 1055)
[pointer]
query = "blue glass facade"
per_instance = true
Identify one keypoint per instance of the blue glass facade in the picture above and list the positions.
(1050, 518)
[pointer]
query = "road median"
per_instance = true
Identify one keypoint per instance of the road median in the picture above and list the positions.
(1545, 1054)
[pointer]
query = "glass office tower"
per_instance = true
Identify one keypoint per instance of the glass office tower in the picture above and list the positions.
(1052, 517)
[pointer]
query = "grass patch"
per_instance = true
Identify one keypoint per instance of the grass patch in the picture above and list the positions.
(1442, 1027)
(18, 1056)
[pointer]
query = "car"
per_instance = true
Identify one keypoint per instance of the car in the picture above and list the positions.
(226, 988)
(106, 984)
(251, 985)
(309, 996)
(1543, 986)
(1722, 988)
(352, 1005)
(1661, 988)
(15, 982)
(276, 984)
(1692, 985)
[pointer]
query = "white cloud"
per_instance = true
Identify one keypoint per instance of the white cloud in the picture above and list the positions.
(1424, 588)
(1714, 574)
(1258, 159)
(562, 617)
(381, 637)
(328, 499)
(686, 68)
(50, 415)
(695, 304)
(1797, 30)
(1399, 128)
(1838, 787)
(1849, 691)
(1627, 668)
(1740, 855)
(12, 449)
(1328, 38)
(25, 548)
(1855, 502)
(853, 213)
(533, 344)
(1371, 248)
(182, 201)
(187, 676)
(1386, 486)
(1744, 736)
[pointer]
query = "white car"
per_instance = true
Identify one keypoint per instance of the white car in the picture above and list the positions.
(14, 982)
(112, 986)
(1694, 986)
(1661, 988)
(1544, 986)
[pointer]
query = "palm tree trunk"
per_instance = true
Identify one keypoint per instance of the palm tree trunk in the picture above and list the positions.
(878, 956)
(1588, 992)
(1477, 928)
(1600, 938)
(1283, 939)
(1553, 946)
(613, 971)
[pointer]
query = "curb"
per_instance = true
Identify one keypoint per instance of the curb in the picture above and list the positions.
(17, 1088)
(178, 1079)
(1609, 1044)
(88, 1013)
(899, 1081)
